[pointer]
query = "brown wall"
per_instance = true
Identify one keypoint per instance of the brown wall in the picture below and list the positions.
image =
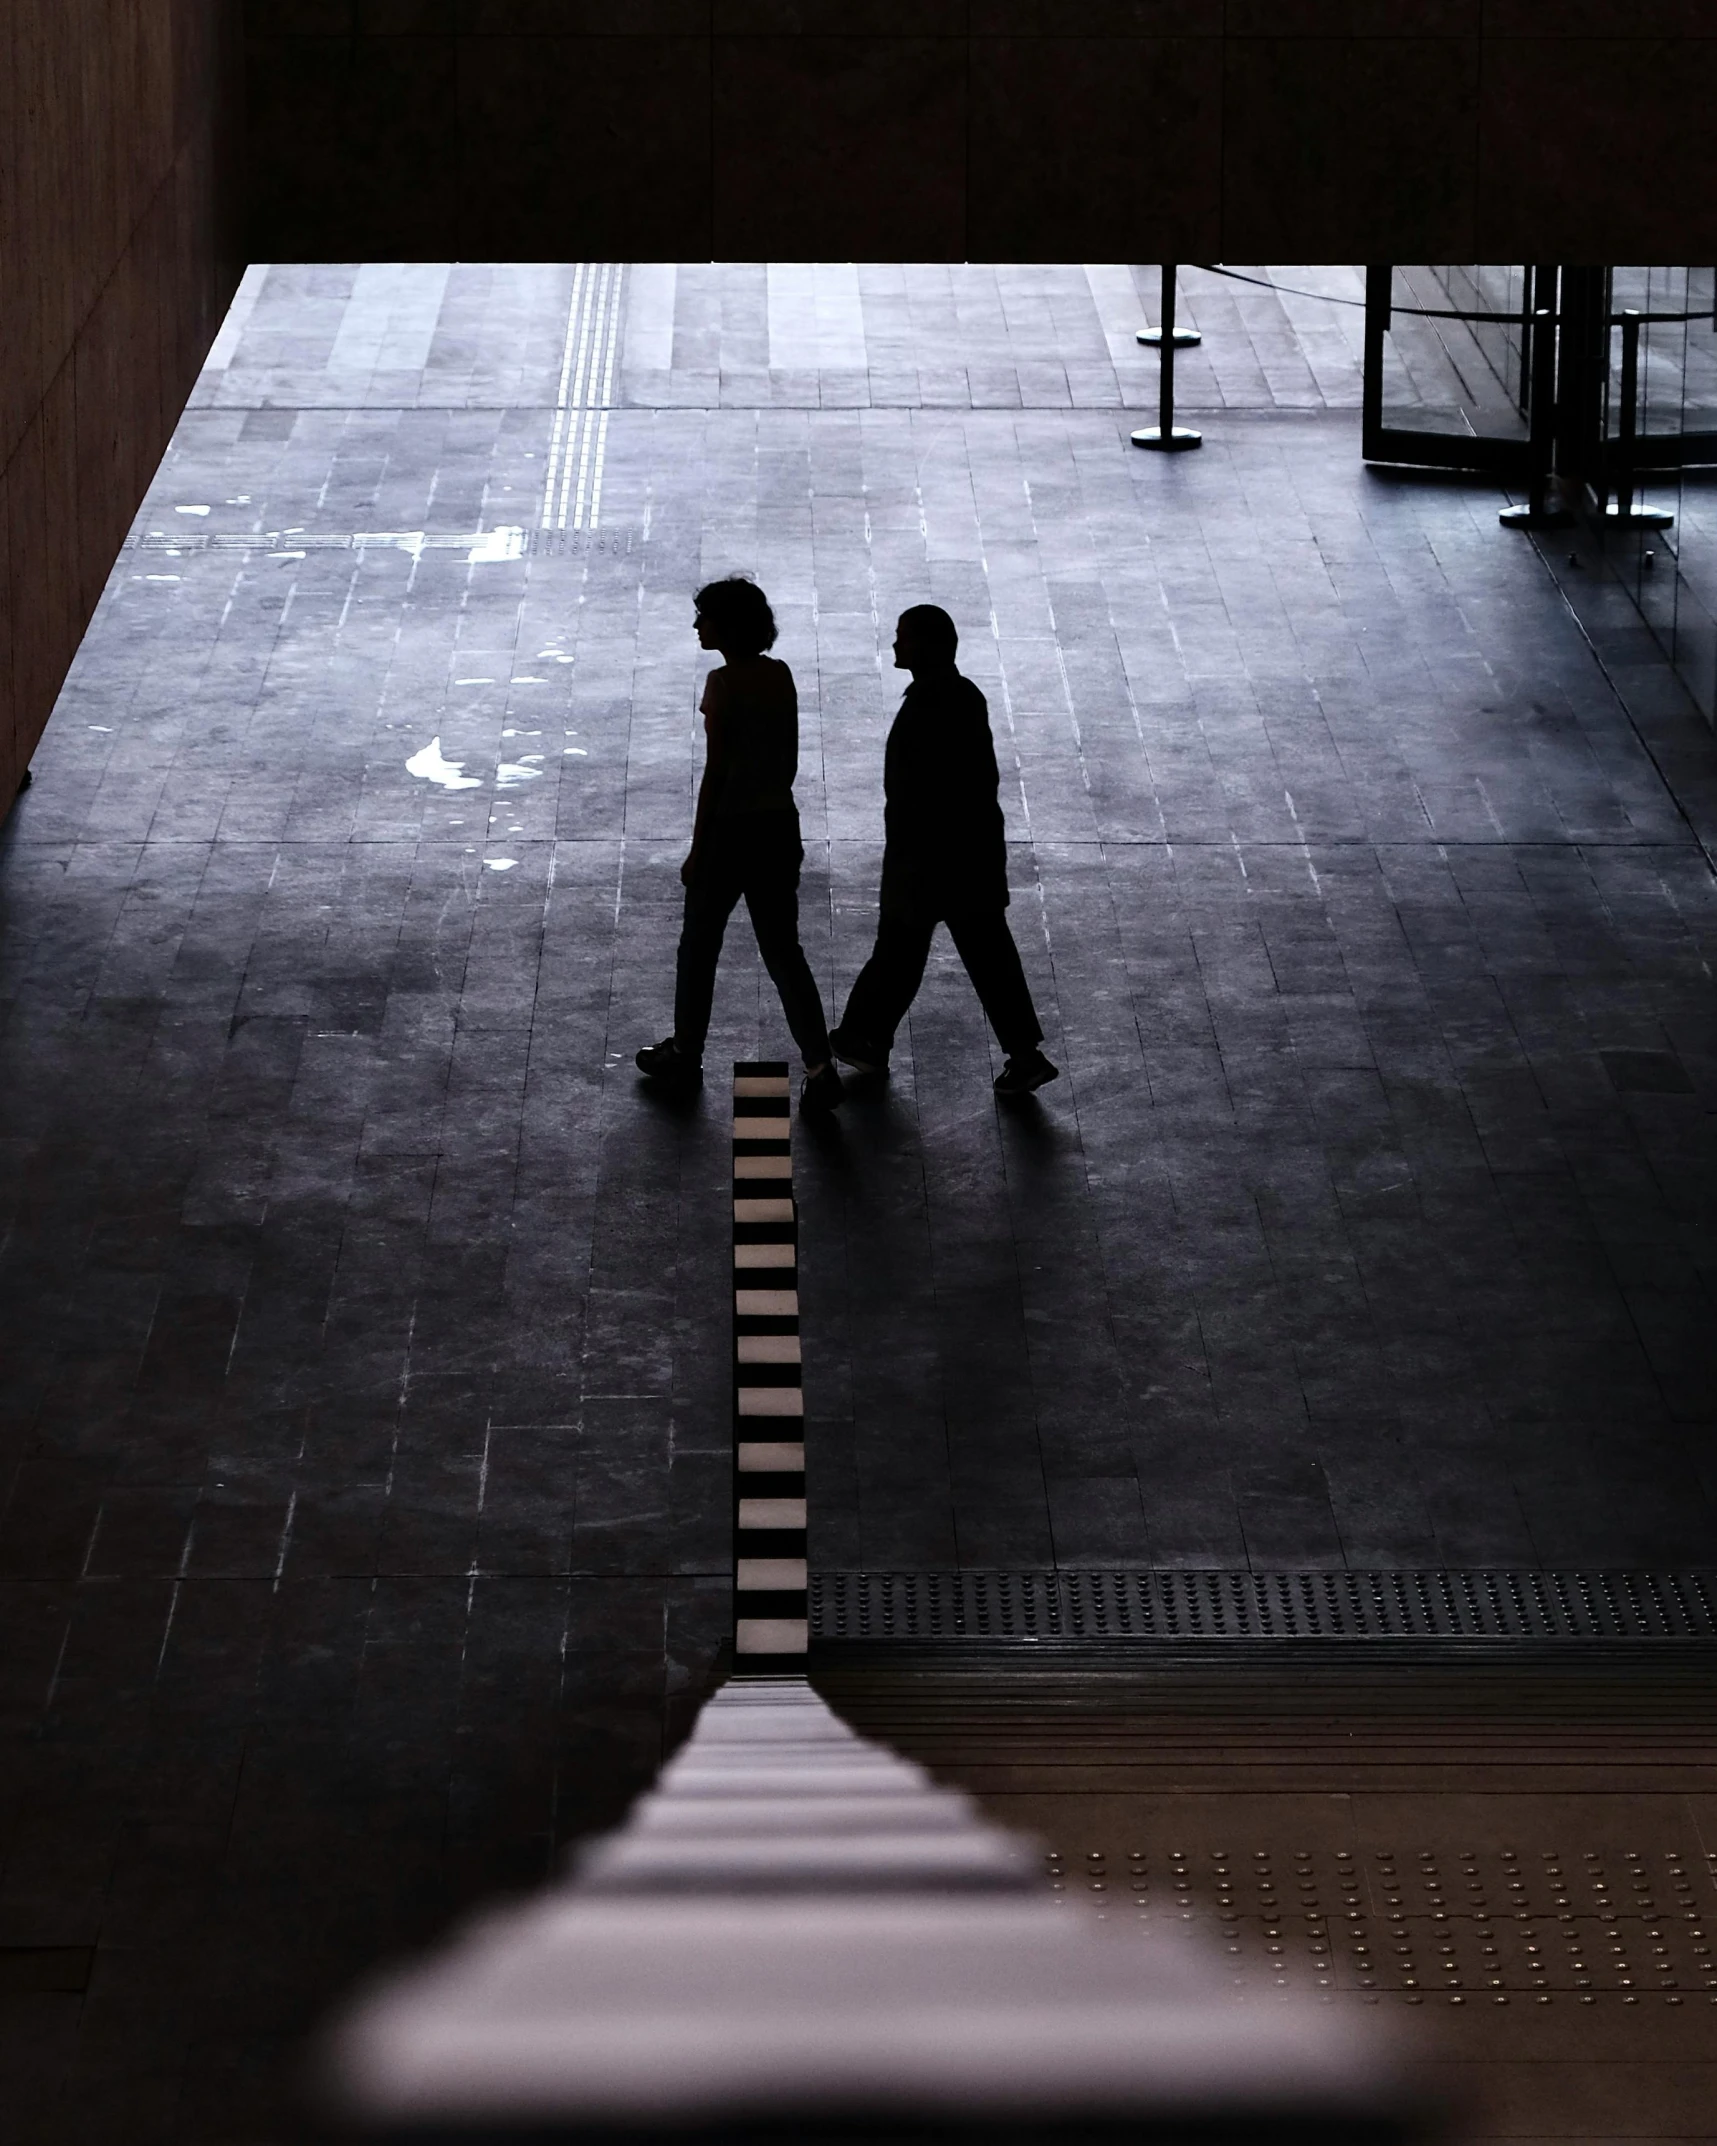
(118, 256)
(1489, 130)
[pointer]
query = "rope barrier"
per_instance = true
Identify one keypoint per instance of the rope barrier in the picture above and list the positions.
(1290, 290)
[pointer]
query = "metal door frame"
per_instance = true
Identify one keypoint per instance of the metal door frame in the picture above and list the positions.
(1405, 444)
(1574, 437)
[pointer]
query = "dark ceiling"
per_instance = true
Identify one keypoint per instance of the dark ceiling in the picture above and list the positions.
(1309, 130)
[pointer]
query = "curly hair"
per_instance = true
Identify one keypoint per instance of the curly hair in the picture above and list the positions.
(739, 611)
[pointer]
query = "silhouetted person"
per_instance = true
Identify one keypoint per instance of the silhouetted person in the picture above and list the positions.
(745, 842)
(944, 861)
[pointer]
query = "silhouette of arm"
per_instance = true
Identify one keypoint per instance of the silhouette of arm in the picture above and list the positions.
(966, 778)
(714, 768)
(981, 777)
(790, 730)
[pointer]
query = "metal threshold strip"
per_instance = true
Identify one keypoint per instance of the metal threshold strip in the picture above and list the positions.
(1227, 1613)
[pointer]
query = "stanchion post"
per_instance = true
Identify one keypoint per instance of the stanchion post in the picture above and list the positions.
(1181, 338)
(1165, 434)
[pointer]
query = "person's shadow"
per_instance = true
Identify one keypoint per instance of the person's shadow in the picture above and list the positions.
(677, 1105)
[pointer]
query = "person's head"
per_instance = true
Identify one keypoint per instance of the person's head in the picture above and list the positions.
(924, 639)
(734, 617)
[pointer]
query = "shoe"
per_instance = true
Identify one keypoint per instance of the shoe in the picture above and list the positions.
(1022, 1074)
(820, 1092)
(668, 1065)
(862, 1057)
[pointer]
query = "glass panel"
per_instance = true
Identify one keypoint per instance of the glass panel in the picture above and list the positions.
(1699, 361)
(1695, 584)
(1671, 572)
(1488, 288)
(1678, 358)
(1453, 376)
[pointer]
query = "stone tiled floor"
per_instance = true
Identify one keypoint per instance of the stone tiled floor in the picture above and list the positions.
(364, 1424)
(834, 335)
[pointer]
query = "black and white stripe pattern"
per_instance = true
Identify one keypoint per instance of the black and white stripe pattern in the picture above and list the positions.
(771, 1630)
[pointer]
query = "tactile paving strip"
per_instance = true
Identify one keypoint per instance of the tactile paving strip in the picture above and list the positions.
(1519, 1863)
(1450, 1922)
(1045, 1609)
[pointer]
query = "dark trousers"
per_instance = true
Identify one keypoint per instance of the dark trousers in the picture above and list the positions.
(762, 867)
(889, 980)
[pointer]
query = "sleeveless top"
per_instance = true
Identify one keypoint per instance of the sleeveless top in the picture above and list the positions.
(751, 717)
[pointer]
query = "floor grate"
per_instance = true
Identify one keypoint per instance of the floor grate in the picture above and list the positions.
(1049, 1609)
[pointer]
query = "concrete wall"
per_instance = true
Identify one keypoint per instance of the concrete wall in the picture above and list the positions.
(118, 256)
(1309, 130)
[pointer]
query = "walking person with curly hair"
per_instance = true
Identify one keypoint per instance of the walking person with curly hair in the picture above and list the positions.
(745, 844)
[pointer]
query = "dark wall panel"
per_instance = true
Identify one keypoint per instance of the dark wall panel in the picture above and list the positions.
(429, 146)
(119, 188)
(1095, 139)
(1349, 148)
(607, 140)
(354, 146)
(983, 129)
(832, 148)
(1640, 110)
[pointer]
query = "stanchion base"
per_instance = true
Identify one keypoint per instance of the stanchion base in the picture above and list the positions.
(1545, 518)
(1177, 438)
(1184, 338)
(1638, 518)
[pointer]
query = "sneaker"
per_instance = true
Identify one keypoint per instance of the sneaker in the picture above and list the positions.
(667, 1063)
(861, 1057)
(820, 1092)
(1022, 1074)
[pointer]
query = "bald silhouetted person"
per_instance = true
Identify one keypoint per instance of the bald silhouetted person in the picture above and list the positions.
(944, 861)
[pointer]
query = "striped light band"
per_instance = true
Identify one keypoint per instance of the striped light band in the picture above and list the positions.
(770, 1578)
